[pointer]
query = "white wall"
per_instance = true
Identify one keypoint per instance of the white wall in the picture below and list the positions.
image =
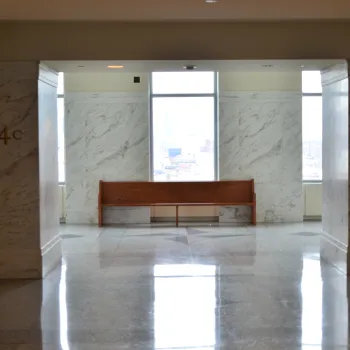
(260, 137)
(334, 245)
(312, 193)
(111, 81)
(260, 81)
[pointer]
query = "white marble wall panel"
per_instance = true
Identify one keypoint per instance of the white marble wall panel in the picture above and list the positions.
(48, 166)
(19, 172)
(334, 246)
(107, 138)
(29, 241)
(260, 135)
(136, 215)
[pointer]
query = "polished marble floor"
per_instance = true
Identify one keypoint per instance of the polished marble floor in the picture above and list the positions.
(190, 288)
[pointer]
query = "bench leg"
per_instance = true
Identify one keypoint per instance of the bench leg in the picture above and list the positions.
(254, 214)
(100, 223)
(177, 216)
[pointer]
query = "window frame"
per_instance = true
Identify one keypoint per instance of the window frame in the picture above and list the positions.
(186, 95)
(310, 94)
(62, 97)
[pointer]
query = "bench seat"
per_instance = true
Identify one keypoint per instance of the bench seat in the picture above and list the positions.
(144, 194)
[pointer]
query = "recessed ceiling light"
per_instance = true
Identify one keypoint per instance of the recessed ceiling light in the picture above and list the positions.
(115, 67)
(211, 1)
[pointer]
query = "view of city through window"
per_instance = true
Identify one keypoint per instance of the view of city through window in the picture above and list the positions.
(183, 119)
(312, 126)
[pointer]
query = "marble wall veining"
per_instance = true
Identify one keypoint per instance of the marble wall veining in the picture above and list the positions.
(19, 172)
(107, 138)
(260, 136)
(334, 245)
(27, 171)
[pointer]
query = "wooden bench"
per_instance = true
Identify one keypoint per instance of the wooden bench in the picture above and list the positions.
(148, 194)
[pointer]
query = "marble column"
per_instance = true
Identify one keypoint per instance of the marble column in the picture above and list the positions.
(335, 155)
(29, 224)
(260, 138)
(107, 138)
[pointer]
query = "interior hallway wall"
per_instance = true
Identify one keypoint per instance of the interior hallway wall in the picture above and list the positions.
(107, 138)
(29, 237)
(260, 137)
(334, 245)
(50, 238)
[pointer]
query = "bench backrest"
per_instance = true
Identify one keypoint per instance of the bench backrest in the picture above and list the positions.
(152, 193)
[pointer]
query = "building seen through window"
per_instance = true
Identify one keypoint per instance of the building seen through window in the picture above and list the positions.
(183, 126)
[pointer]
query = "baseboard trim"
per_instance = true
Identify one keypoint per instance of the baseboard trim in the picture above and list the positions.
(332, 240)
(51, 255)
(50, 244)
(334, 252)
(312, 217)
(186, 219)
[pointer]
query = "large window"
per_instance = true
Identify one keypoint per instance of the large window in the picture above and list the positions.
(312, 126)
(184, 126)
(60, 129)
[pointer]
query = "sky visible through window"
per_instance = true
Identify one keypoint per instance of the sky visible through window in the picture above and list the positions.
(183, 126)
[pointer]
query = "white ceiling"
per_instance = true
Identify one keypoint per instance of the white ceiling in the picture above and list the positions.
(126, 10)
(150, 66)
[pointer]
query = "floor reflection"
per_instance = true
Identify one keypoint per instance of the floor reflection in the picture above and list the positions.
(63, 308)
(311, 290)
(184, 306)
(152, 293)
